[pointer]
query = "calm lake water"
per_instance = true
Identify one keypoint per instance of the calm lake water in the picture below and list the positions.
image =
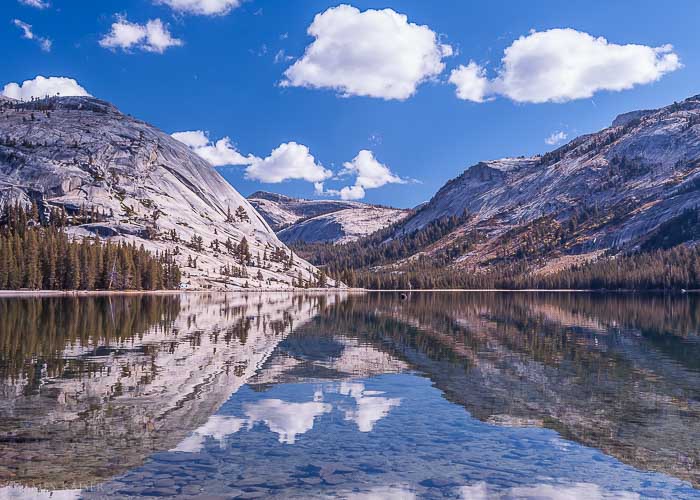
(442, 395)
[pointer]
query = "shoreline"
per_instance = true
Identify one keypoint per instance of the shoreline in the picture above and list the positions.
(534, 290)
(98, 293)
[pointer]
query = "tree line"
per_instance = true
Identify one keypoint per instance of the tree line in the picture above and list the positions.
(41, 255)
(381, 247)
(395, 259)
(663, 269)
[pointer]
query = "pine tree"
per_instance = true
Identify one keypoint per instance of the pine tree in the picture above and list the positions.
(243, 251)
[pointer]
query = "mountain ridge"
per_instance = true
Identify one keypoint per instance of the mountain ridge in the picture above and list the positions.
(627, 187)
(336, 221)
(81, 154)
(652, 141)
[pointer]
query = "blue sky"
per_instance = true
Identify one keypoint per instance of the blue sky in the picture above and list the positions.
(222, 78)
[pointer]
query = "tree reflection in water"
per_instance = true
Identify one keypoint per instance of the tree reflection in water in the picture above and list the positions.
(93, 387)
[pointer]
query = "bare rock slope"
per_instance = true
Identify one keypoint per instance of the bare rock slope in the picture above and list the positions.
(83, 155)
(336, 221)
(628, 186)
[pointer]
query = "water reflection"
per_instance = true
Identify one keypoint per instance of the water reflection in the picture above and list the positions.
(218, 427)
(351, 396)
(619, 373)
(113, 379)
(369, 408)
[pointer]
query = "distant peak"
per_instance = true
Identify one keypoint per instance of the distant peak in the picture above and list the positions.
(73, 102)
(625, 118)
(266, 195)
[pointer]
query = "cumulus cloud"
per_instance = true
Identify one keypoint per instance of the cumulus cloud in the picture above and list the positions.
(219, 154)
(201, 7)
(293, 161)
(560, 65)
(369, 174)
(375, 53)
(471, 82)
(288, 161)
(42, 87)
(27, 33)
(37, 4)
(349, 193)
(556, 138)
(153, 36)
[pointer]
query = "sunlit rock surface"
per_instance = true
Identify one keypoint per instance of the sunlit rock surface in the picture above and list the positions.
(311, 221)
(83, 154)
(612, 189)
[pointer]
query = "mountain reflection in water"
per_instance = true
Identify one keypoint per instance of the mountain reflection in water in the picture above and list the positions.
(351, 395)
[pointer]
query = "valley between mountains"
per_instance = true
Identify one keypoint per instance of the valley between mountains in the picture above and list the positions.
(612, 209)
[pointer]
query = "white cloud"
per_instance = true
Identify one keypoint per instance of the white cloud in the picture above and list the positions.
(42, 87)
(369, 174)
(27, 33)
(471, 82)
(38, 4)
(218, 154)
(375, 53)
(193, 138)
(556, 138)
(154, 36)
(281, 56)
(202, 7)
(288, 161)
(560, 65)
(349, 193)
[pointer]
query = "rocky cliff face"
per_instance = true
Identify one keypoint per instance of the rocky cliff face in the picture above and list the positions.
(620, 188)
(336, 221)
(83, 155)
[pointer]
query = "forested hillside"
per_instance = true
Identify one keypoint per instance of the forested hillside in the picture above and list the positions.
(123, 180)
(36, 255)
(614, 209)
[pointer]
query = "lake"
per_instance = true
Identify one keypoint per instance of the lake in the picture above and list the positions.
(353, 396)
